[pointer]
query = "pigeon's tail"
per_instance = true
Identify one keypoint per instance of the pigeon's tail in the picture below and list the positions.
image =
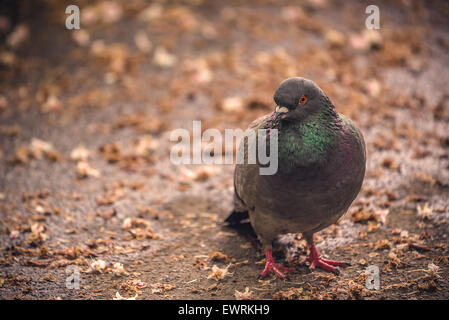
(240, 211)
(236, 217)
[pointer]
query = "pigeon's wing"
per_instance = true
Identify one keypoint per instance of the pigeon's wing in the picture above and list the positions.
(240, 211)
(349, 125)
(259, 122)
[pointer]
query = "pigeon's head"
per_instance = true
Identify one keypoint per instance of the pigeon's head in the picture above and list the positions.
(297, 98)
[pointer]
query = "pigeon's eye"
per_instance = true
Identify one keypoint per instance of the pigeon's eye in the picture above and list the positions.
(303, 100)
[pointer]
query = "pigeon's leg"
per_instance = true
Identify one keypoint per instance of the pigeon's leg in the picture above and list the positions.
(271, 267)
(317, 262)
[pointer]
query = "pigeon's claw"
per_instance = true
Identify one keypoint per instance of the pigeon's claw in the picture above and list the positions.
(328, 265)
(336, 263)
(276, 269)
(319, 263)
(271, 267)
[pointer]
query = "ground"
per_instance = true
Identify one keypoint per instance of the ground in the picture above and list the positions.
(85, 123)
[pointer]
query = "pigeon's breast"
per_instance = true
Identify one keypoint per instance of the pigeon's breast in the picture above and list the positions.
(316, 195)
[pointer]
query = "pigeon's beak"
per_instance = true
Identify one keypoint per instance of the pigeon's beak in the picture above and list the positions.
(278, 114)
(281, 112)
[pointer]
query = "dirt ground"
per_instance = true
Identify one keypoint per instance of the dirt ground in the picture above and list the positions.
(85, 122)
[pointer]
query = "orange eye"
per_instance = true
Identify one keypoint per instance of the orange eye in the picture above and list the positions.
(303, 100)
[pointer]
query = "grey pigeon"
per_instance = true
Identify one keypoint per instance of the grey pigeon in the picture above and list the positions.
(321, 166)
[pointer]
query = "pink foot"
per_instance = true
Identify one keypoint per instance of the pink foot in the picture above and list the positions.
(271, 267)
(327, 265)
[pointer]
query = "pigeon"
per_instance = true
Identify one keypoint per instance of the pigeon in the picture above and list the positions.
(321, 167)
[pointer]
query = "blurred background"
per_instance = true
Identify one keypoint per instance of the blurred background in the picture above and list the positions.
(86, 116)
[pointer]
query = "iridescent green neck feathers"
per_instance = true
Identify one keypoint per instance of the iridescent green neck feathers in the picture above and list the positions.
(307, 142)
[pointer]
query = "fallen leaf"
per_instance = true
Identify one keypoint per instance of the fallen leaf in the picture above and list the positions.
(162, 58)
(119, 297)
(217, 273)
(245, 295)
(425, 212)
(83, 170)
